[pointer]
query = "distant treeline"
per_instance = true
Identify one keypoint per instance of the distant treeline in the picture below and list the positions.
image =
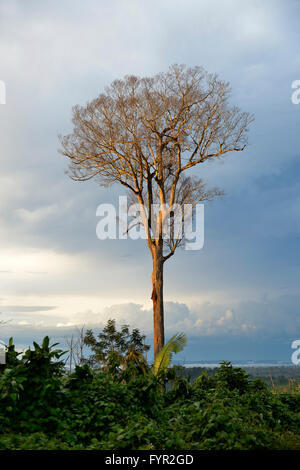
(273, 375)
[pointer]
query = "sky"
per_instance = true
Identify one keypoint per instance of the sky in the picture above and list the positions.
(236, 299)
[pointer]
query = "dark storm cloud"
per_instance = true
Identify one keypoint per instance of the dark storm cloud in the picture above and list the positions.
(25, 308)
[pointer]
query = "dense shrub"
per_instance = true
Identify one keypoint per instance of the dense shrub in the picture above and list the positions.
(43, 407)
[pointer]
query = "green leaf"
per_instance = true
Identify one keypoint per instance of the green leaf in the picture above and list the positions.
(163, 358)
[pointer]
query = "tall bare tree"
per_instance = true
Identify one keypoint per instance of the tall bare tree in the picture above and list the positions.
(145, 133)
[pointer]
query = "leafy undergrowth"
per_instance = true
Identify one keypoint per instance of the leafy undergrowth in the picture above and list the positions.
(42, 407)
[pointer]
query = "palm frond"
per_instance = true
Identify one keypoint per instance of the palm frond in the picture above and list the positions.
(163, 358)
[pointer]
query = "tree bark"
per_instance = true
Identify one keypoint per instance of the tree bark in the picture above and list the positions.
(157, 299)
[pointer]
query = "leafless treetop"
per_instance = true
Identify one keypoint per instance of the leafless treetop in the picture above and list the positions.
(146, 132)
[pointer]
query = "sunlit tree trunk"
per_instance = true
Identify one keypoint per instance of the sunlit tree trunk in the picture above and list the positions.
(157, 299)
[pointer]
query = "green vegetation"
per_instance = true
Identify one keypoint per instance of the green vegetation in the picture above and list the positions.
(115, 346)
(286, 377)
(124, 406)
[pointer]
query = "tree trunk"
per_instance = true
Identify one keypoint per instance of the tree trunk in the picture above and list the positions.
(158, 301)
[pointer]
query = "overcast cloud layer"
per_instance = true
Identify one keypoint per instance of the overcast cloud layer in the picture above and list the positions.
(238, 296)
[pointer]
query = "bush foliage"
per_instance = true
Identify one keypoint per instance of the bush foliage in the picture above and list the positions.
(116, 407)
